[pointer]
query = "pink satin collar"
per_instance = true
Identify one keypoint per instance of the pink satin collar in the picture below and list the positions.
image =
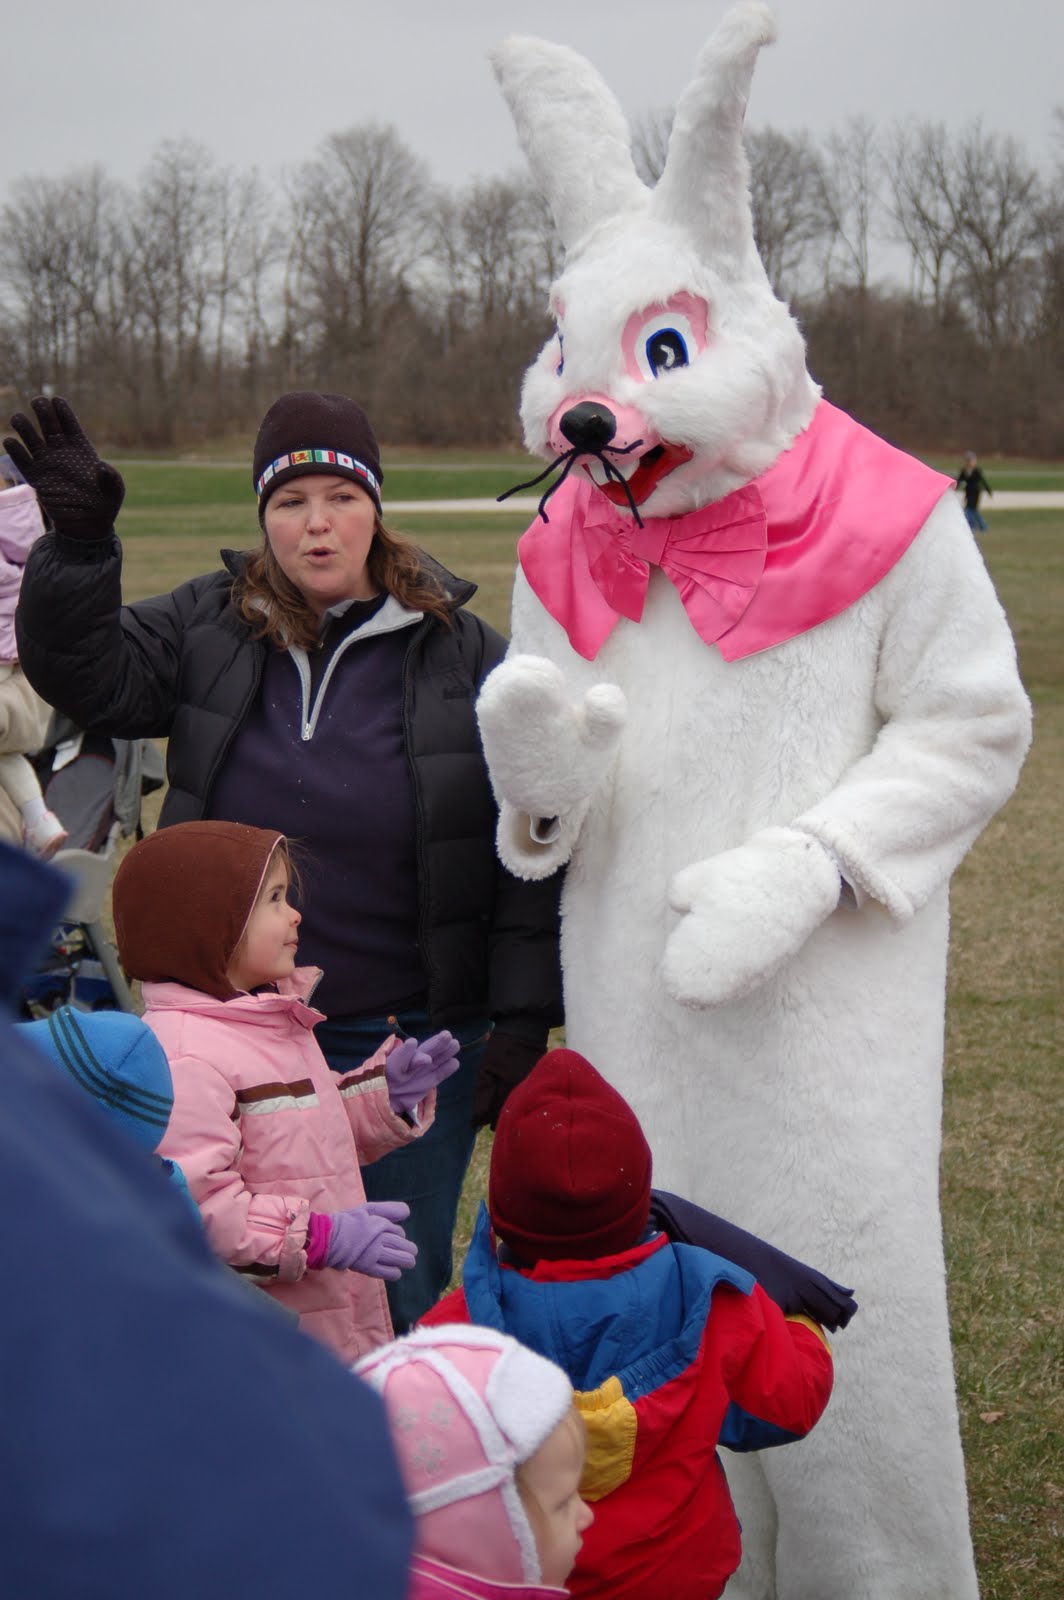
(800, 544)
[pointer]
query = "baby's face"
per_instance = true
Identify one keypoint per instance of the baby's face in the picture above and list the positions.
(550, 1490)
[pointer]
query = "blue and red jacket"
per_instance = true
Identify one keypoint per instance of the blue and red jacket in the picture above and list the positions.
(672, 1350)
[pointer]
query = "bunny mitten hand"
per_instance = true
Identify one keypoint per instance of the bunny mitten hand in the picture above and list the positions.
(745, 913)
(412, 1069)
(368, 1238)
(80, 494)
(545, 754)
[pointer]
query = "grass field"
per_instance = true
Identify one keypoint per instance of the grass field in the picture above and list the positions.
(423, 474)
(1004, 1131)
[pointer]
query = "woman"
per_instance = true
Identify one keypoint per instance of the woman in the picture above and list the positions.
(321, 685)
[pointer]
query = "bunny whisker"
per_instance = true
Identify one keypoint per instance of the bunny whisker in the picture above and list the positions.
(566, 461)
(567, 457)
(618, 477)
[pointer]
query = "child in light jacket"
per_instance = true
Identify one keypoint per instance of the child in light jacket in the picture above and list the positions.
(20, 526)
(270, 1141)
(491, 1450)
(671, 1348)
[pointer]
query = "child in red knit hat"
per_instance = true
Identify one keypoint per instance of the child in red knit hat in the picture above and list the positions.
(671, 1349)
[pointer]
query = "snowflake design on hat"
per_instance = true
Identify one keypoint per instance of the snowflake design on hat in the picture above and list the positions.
(405, 1418)
(442, 1414)
(428, 1455)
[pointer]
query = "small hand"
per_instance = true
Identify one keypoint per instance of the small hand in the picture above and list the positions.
(413, 1068)
(368, 1239)
(79, 493)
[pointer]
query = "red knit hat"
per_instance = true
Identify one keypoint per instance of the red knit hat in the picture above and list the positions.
(570, 1167)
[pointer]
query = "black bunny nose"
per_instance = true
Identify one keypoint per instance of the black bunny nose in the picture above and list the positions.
(589, 426)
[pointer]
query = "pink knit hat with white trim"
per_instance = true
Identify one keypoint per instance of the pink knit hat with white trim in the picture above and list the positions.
(467, 1406)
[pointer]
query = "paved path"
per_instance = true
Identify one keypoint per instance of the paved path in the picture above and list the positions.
(1023, 500)
(1002, 500)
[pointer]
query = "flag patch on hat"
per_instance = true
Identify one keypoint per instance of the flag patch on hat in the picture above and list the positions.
(330, 458)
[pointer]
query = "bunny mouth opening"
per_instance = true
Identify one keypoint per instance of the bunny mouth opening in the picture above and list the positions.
(608, 475)
(639, 484)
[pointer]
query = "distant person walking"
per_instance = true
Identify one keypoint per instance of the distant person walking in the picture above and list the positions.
(970, 479)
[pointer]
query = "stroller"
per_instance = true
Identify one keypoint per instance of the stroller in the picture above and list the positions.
(95, 785)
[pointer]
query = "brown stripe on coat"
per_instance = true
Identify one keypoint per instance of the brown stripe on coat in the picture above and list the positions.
(361, 1077)
(257, 1270)
(271, 1091)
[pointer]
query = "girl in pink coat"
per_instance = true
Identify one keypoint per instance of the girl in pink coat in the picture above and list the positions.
(270, 1140)
(491, 1448)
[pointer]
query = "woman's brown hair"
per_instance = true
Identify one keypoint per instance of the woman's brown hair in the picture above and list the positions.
(277, 612)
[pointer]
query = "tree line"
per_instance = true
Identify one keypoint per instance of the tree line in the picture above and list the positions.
(925, 265)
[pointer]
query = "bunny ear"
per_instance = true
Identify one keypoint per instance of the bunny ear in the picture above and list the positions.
(706, 182)
(573, 132)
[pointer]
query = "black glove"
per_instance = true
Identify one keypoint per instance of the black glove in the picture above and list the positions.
(795, 1287)
(79, 493)
(506, 1062)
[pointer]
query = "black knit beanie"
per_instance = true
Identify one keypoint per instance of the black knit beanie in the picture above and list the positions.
(306, 432)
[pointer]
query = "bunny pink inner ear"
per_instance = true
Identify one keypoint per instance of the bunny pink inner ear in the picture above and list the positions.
(685, 316)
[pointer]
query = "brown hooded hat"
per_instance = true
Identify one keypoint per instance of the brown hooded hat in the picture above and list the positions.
(182, 898)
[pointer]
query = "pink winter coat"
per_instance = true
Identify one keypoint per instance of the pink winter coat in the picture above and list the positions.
(265, 1134)
(20, 527)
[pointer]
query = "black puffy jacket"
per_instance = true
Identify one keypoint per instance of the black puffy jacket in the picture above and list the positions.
(183, 666)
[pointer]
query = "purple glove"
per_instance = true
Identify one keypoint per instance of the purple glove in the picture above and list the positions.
(412, 1069)
(368, 1238)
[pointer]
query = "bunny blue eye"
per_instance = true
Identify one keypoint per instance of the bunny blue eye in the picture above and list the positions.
(560, 368)
(666, 350)
(664, 338)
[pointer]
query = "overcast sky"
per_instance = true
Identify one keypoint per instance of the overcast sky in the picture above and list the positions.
(261, 82)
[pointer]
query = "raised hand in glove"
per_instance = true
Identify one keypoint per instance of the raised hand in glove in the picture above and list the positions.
(413, 1068)
(368, 1238)
(506, 1062)
(79, 493)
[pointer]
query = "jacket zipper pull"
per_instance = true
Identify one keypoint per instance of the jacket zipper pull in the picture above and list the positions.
(306, 732)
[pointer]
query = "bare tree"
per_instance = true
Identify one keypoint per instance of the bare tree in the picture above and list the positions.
(921, 181)
(246, 245)
(497, 245)
(173, 228)
(996, 203)
(58, 238)
(850, 170)
(792, 220)
(362, 214)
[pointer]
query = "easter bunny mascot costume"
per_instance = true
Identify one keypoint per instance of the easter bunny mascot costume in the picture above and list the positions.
(762, 698)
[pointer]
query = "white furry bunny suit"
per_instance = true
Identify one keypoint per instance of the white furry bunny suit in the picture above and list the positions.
(761, 797)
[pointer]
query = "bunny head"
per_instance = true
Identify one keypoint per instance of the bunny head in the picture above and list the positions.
(674, 367)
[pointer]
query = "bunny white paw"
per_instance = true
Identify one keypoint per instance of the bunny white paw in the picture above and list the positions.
(745, 913)
(545, 753)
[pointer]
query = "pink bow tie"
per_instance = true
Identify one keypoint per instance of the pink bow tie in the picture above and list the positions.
(714, 556)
